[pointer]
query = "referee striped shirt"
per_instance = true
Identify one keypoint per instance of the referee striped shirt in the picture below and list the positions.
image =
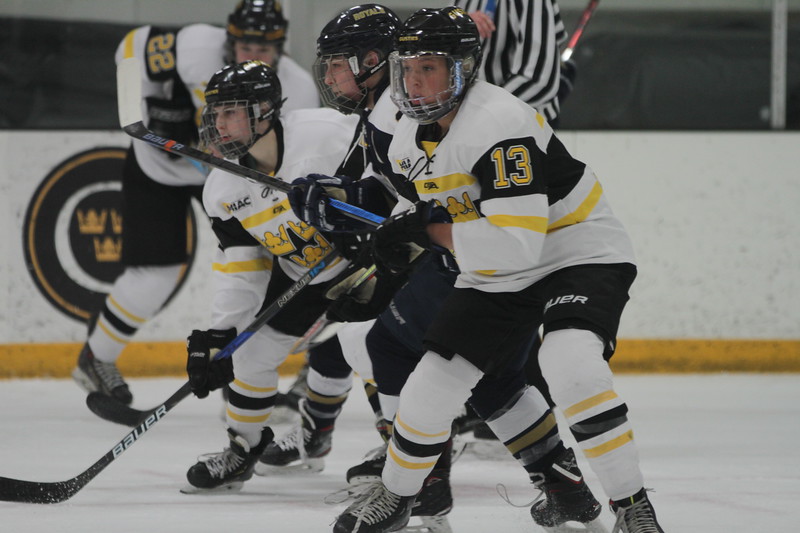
(522, 55)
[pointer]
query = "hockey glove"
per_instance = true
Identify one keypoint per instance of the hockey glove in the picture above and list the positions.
(358, 296)
(206, 375)
(401, 241)
(569, 72)
(309, 200)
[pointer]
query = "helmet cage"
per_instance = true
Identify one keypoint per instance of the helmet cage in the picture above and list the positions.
(334, 96)
(438, 105)
(255, 113)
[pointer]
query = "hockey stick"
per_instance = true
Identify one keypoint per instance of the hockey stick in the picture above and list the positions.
(113, 410)
(576, 35)
(324, 328)
(130, 118)
(18, 490)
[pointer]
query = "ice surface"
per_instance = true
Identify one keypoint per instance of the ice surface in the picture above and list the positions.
(721, 451)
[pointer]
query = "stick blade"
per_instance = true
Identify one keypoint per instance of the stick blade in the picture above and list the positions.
(129, 92)
(112, 410)
(17, 490)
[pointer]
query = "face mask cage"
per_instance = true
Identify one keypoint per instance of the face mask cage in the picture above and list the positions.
(230, 127)
(344, 78)
(405, 69)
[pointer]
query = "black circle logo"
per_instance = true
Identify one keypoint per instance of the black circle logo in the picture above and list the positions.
(73, 232)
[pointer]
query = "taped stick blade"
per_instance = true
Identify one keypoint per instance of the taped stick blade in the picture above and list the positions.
(129, 92)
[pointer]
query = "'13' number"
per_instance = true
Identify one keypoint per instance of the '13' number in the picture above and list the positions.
(518, 161)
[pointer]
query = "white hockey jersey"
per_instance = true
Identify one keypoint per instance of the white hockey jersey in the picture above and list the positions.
(313, 141)
(182, 62)
(522, 207)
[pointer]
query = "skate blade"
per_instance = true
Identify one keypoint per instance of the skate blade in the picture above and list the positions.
(311, 466)
(595, 526)
(358, 480)
(236, 486)
(430, 524)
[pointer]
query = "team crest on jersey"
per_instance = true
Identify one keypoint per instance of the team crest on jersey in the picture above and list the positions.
(462, 209)
(73, 232)
(299, 243)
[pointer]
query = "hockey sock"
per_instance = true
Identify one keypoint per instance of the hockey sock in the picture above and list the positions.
(137, 295)
(581, 384)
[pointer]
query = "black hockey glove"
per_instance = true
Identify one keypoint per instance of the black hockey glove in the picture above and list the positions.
(206, 375)
(309, 200)
(358, 296)
(569, 72)
(401, 241)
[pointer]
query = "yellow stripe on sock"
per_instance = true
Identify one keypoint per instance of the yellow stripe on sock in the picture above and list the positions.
(251, 388)
(589, 403)
(534, 435)
(248, 419)
(408, 428)
(407, 464)
(611, 445)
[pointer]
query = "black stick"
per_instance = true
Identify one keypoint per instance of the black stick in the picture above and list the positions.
(17, 490)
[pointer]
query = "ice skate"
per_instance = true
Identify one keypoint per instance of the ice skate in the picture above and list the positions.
(635, 515)
(303, 448)
(227, 470)
(432, 505)
(94, 375)
(566, 504)
(370, 470)
(375, 510)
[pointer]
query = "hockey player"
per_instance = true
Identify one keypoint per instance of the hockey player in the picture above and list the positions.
(536, 244)
(263, 249)
(157, 187)
(395, 340)
(353, 49)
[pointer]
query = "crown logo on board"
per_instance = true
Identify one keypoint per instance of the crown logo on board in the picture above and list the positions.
(90, 222)
(107, 249)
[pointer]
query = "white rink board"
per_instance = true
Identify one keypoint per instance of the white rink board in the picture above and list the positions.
(712, 215)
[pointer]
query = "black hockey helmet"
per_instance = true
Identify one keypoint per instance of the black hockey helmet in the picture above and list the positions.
(352, 34)
(252, 85)
(447, 32)
(257, 21)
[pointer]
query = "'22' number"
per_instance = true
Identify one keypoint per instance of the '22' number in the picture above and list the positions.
(160, 57)
(518, 160)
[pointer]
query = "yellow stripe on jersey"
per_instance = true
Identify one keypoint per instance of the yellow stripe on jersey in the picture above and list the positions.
(128, 47)
(583, 211)
(408, 464)
(444, 183)
(589, 403)
(609, 446)
(537, 224)
(233, 267)
(124, 311)
(540, 120)
(266, 215)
